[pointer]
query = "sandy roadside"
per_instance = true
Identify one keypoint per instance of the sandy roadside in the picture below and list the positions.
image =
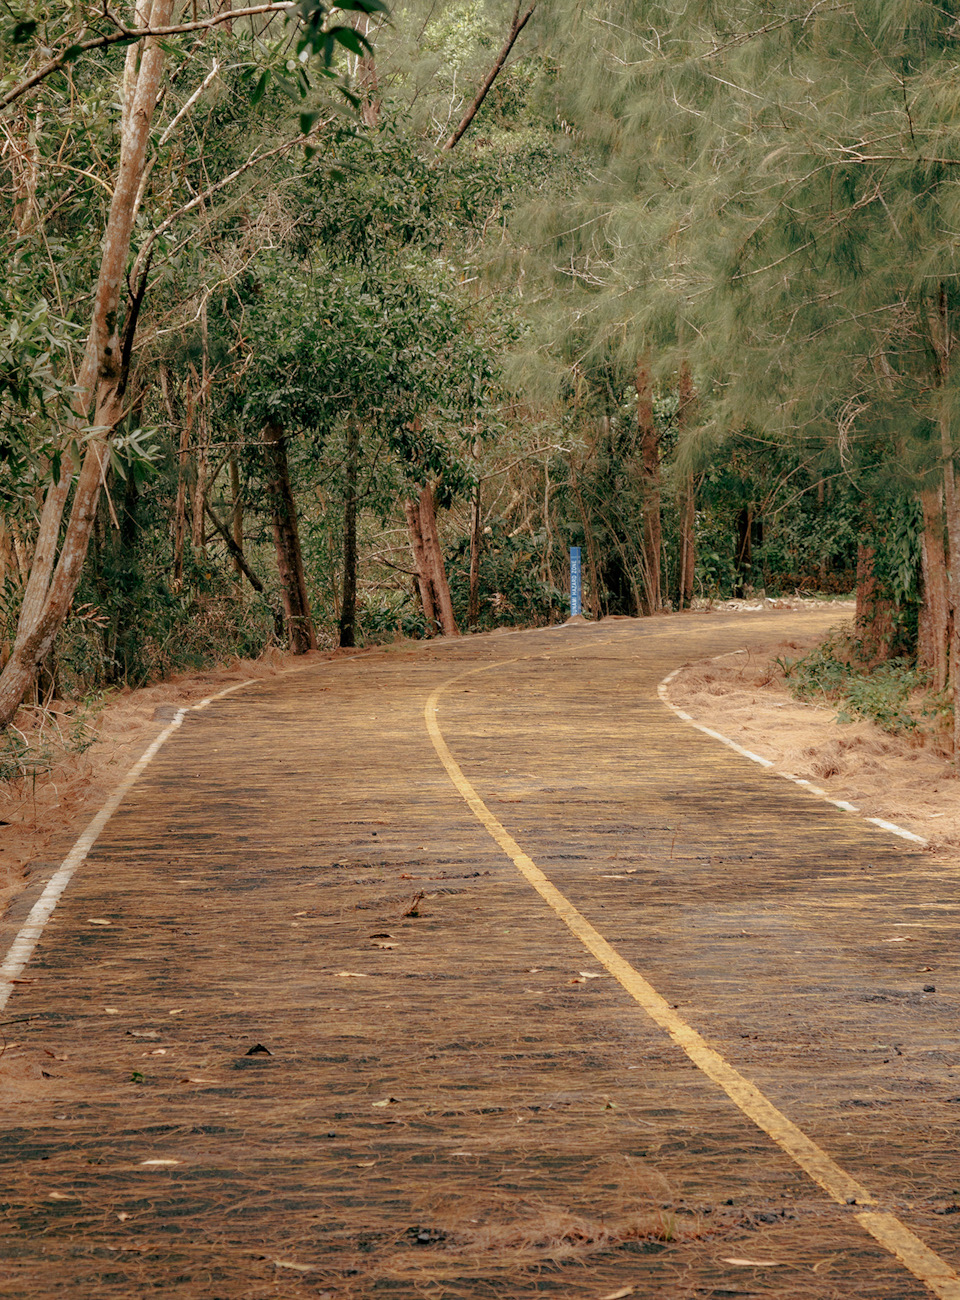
(896, 778)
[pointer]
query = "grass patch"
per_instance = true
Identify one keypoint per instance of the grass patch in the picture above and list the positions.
(894, 695)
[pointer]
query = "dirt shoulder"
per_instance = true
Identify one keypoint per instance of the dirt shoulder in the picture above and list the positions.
(897, 778)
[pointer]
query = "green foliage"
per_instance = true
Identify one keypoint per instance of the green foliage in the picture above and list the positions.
(893, 694)
(512, 590)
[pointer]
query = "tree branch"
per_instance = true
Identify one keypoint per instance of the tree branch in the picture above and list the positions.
(516, 27)
(233, 548)
(127, 34)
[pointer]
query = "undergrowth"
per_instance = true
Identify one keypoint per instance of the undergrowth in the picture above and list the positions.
(41, 739)
(895, 695)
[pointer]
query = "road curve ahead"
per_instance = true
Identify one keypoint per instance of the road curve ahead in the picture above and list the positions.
(470, 970)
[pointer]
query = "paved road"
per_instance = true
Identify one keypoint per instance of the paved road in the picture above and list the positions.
(299, 1026)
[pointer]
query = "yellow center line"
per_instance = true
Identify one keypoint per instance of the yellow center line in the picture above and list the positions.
(886, 1228)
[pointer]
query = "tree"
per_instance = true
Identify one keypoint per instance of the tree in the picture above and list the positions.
(83, 451)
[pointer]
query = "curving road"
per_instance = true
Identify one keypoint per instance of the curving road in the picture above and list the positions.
(303, 1025)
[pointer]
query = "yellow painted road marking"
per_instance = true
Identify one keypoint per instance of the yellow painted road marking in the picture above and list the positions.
(886, 1228)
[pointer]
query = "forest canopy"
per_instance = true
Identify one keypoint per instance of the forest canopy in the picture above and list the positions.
(327, 324)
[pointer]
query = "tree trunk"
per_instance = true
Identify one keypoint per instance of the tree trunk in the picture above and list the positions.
(874, 619)
(348, 603)
(952, 513)
(650, 478)
(53, 578)
(934, 632)
(237, 518)
(286, 536)
(516, 27)
(688, 506)
(435, 566)
(424, 582)
(476, 545)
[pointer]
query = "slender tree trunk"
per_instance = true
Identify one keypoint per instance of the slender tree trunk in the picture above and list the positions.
(517, 25)
(348, 603)
(650, 478)
(935, 621)
(424, 582)
(952, 514)
(236, 517)
(874, 618)
(476, 545)
(54, 577)
(286, 536)
(688, 506)
(434, 558)
(201, 486)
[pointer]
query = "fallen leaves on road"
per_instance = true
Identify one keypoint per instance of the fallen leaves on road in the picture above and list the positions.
(297, 1268)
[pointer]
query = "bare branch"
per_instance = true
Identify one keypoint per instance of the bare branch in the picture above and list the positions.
(516, 27)
(125, 35)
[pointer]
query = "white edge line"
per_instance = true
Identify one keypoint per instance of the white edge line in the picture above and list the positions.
(28, 936)
(842, 804)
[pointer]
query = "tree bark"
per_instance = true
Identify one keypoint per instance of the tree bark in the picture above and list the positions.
(434, 559)
(54, 577)
(688, 506)
(952, 514)
(874, 618)
(935, 621)
(237, 517)
(286, 536)
(476, 545)
(424, 582)
(348, 603)
(650, 480)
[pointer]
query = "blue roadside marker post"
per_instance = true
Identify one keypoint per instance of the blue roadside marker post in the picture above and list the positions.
(574, 581)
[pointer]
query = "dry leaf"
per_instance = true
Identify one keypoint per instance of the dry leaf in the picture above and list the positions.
(177, 1011)
(754, 1263)
(899, 938)
(619, 1295)
(350, 975)
(112, 1011)
(297, 1268)
(123, 1216)
(591, 975)
(366, 1164)
(157, 1164)
(387, 1101)
(385, 946)
(192, 1080)
(97, 920)
(61, 1196)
